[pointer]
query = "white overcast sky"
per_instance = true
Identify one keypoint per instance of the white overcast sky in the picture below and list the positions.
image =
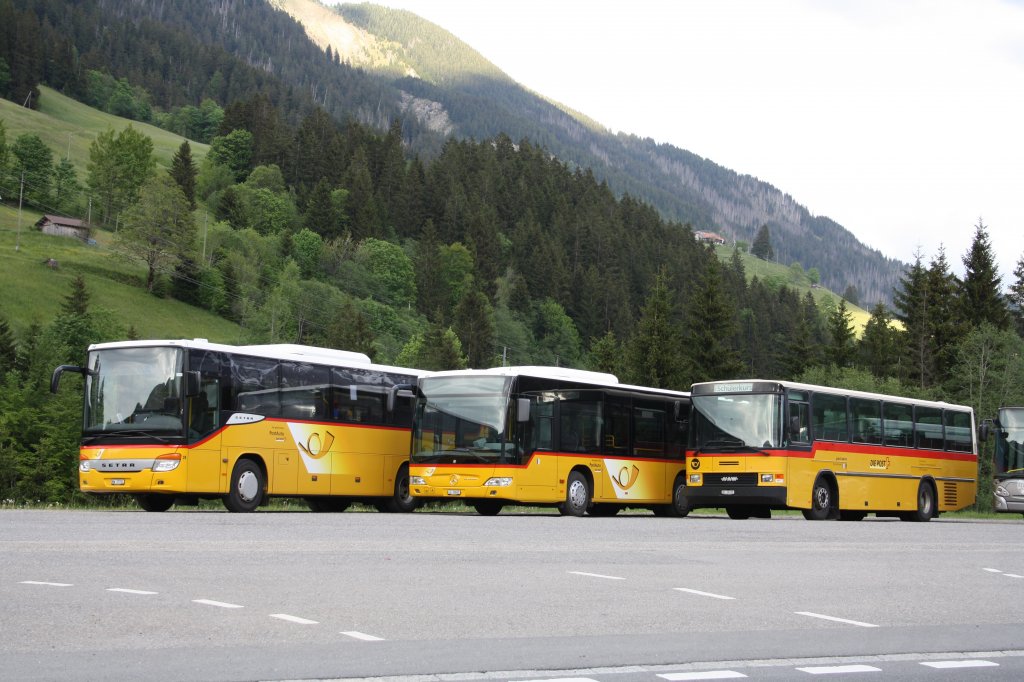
(901, 120)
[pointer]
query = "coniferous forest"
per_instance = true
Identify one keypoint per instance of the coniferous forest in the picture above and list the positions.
(328, 228)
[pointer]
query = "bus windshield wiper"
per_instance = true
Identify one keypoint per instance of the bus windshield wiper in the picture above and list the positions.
(734, 445)
(126, 433)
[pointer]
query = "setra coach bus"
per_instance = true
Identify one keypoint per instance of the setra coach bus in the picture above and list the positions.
(183, 420)
(548, 436)
(831, 453)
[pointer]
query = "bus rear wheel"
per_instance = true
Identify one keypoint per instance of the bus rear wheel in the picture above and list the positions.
(577, 496)
(925, 504)
(154, 502)
(488, 507)
(401, 501)
(247, 487)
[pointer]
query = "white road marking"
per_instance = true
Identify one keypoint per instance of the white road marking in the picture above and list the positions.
(944, 665)
(38, 582)
(702, 594)
(294, 619)
(706, 675)
(1013, 575)
(221, 604)
(362, 635)
(564, 679)
(992, 570)
(596, 575)
(837, 620)
(129, 591)
(839, 669)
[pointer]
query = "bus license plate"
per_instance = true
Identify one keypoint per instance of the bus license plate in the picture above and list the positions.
(454, 492)
(117, 481)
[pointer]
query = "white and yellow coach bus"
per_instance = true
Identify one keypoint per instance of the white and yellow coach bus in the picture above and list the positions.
(831, 453)
(184, 420)
(548, 436)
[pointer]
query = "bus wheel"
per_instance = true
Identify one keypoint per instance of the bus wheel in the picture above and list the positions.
(577, 496)
(821, 501)
(603, 510)
(154, 502)
(925, 504)
(738, 513)
(246, 491)
(402, 501)
(851, 515)
(680, 506)
(488, 507)
(325, 505)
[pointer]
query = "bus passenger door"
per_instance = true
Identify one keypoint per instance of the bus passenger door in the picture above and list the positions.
(207, 470)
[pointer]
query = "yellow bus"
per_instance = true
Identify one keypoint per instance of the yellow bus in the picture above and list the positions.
(831, 453)
(543, 436)
(183, 420)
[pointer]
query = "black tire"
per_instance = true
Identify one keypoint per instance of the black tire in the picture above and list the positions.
(248, 487)
(851, 515)
(328, 505)
(577, 495)
(488, 507)
(154, 502)
(822, 503)
(604, 509)
(402, 501)
(761, 512)
(680, 506)
(925, 505)
(738, 513)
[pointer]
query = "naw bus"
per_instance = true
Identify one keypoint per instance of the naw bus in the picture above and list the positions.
(183, 420)
(1009, 464)
(831, 453)
(548, 436)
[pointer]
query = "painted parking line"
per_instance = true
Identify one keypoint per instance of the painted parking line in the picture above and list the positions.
(596, 575)
(702, 594)
(705, 675)
(40, 582)
(992, 570)
(221, 604)
(294, 619)
(1013, 575)
(126, 590)
(362, 636)
(836, 620)
(839, 669)
(946, 665)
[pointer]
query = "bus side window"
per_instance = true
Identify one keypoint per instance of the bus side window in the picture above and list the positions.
(799, 423)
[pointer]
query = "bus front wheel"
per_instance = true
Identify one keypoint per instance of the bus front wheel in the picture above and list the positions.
(247, 484)
(822, 502)
(488, 507)
(577, 496)
(402, 500)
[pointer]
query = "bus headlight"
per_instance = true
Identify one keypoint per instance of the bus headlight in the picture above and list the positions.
(694, 478)
(767, 478)
(498, 482)
(417, 480)
(84, 464)
(166, 462)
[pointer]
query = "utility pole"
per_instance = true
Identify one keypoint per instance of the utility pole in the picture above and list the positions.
(21, 197)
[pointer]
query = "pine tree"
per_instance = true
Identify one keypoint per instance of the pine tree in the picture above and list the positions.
(349, 329)
(980, 298)
(1017, 296)
(762, 247)
(473, 321)
(947, 330)
(8, 349)
(710, 327)
(877, 347)
(841, 348)
(605, 355)
(184, 172)
(913, 310)
(321, 216)
(653, 357)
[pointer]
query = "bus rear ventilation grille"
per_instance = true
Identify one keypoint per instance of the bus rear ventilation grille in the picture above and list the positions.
(949, 494)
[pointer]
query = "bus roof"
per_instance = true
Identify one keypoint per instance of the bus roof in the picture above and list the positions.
(580, 376)
(276, 351)
(776, 386)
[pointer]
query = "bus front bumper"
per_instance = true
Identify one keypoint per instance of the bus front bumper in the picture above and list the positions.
(727, 496)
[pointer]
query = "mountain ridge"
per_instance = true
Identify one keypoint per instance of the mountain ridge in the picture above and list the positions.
(684, 187)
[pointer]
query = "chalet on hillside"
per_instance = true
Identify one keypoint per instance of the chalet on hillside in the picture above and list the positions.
(63, 227)
(709, 237)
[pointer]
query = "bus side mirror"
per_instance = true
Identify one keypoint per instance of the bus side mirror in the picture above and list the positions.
(55, 378)
(678, 411)
(984, 430)
(404, 390)
(192, 384)
(522, 410)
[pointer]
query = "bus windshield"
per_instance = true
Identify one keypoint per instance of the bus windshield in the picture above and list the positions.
(134, 391)
(1010, 440)
(462, 420)
(737, 421)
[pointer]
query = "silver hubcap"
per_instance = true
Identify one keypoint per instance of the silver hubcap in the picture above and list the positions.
(925, 503)
(821, 498)
(577, 495)
(248, 486)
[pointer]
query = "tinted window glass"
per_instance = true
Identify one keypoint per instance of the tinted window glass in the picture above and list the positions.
(616, 426)
(579, 425)
(928, 427)
(898, 424)
(649, 419)
(357, 396)
(304, 391)
(829, 413)
(958, 432)
(866, 416)
(254, 385)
